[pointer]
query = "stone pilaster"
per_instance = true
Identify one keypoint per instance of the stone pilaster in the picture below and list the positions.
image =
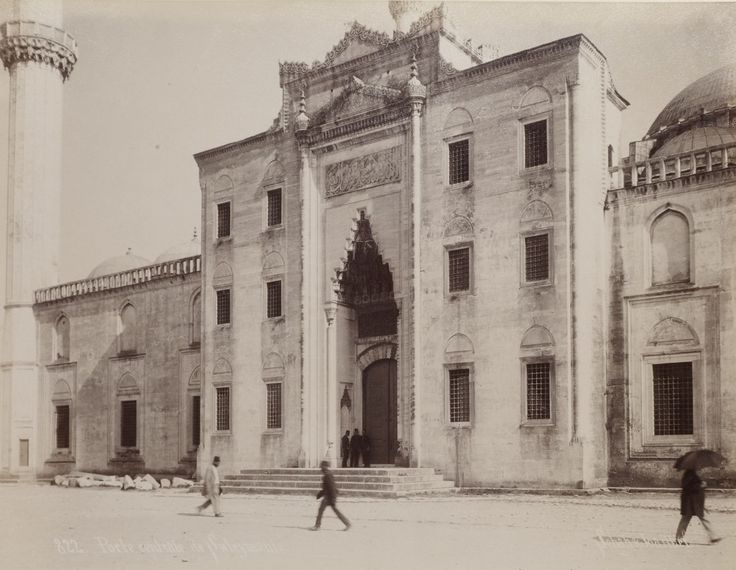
(416, 96)
(39, 56)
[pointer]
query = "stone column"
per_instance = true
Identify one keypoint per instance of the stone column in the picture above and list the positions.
(332, 403)
(39, 56)
(416, 94)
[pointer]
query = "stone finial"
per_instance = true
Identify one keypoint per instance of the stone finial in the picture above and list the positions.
(414, 88)
(301, 122)
(405, 12)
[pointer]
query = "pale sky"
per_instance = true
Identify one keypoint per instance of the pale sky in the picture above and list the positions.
(158, 81)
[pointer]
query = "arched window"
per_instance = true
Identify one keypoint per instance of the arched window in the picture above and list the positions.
(61, 338)
(128, 329)
(196, 320)
(670, 248)
(610, 156)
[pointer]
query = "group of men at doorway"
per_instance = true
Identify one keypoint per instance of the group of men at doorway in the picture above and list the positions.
(355, 447)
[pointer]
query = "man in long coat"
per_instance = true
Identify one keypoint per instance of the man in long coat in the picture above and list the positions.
(345, 448)
(211, 488)
(692, 504)
(328, 494)
(355, 444)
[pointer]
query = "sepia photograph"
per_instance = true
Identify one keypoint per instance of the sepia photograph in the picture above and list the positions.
(366, 284)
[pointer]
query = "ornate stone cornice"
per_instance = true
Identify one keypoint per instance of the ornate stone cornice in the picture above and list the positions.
(26, 41)
(508, 63)
(297, 70)
(700, 181)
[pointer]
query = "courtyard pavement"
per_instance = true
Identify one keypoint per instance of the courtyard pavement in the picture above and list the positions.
(53, 527)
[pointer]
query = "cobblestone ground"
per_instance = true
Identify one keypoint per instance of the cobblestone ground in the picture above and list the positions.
(51, 527)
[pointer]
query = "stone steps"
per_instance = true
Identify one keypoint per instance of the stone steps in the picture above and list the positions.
(381, 482)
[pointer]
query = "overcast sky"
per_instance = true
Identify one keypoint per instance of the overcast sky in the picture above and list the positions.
(158, 81)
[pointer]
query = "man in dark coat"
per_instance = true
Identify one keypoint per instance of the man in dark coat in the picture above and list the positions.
(345, 448)
(355, 445)
(328, 494)
(366, 449)
(692, 504)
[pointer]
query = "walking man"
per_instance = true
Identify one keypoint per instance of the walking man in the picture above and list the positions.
(211, 488)
(345, 448)
(328, 494)
(692, 503)
(355, 445)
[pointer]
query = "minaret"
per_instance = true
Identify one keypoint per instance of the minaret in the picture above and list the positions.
(39, 56)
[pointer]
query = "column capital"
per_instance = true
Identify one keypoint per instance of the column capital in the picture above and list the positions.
(26, 41)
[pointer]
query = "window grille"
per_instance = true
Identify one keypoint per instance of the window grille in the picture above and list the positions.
(195, 421)
(223, 306)
(537, 257)
(62, 427)
(273, 405)
(274, 207)
(673, 398)
(273, 302)
(222, 410)
(128, 423)
(459, 395)
(535, 144)
(459, 269)
(223, 219)
(538, 391)
(459, 161)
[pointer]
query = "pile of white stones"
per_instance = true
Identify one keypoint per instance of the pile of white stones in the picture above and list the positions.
(141, 483)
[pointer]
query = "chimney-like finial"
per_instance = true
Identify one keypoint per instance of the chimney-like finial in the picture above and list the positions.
(301, 123)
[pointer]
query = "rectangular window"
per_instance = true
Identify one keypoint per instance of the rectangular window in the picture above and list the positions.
(536, 250)
(459, 161)
(223, 306)
(222, 409)
(535, 144)
(458, 270)
(273, 405)
(273, 301)
(274, 207)
(223, 219)
(673, 398)
(62, 427)
(538, 391)
(460, 395)
(23, 452)
(128, 423)
(195, 421)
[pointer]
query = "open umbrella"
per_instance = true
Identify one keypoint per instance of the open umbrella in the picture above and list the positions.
(699, 458)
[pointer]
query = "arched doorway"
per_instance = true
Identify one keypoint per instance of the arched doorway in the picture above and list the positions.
(379, 409)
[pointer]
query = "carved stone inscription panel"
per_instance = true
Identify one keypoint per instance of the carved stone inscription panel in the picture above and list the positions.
(382, 167)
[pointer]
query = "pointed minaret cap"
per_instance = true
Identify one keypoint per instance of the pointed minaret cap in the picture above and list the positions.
(301, 122)
(414, 88)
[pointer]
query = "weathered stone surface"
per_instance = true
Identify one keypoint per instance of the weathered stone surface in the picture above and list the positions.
(165, 484)
(179, 483)
(144, 486)
(152, 481)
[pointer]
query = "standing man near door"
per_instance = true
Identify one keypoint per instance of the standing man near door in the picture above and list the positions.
(366, 449)
(345, 448)
(355, 445)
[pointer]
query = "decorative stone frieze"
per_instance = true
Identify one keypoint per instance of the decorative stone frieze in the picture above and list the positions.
(375, 169)
(24, 41)
(538, 187)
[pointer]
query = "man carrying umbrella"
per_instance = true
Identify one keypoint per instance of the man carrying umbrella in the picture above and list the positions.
(692, 498)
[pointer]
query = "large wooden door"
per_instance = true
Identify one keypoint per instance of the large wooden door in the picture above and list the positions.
(379, 409)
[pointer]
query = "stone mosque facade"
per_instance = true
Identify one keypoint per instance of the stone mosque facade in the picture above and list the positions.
(443, 250)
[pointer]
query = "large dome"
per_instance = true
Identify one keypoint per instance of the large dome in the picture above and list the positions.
(714, 91)
(119, 264)
(697, 139)
(186, 249)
